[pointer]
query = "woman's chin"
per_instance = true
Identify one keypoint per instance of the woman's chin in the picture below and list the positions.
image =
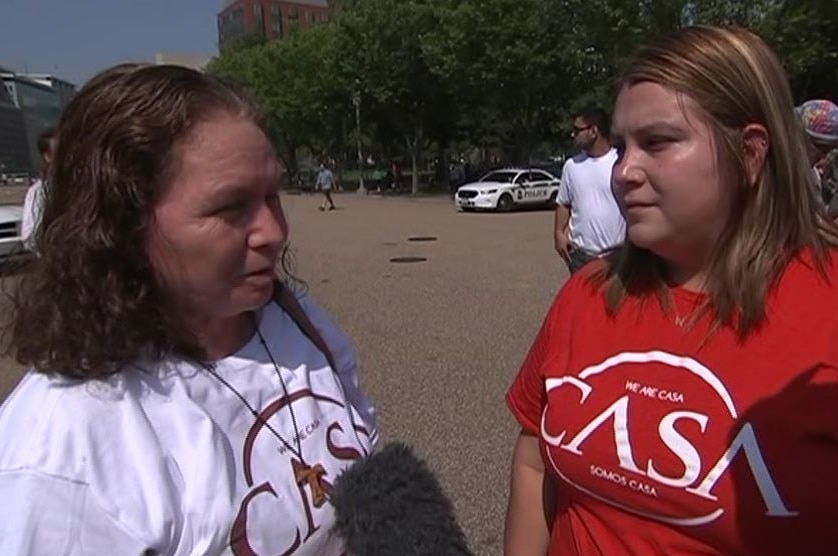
(644, 235)
(254, 294)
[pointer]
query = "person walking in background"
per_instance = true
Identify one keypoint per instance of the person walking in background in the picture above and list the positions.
(681, 397)
(588, 219)
(33, 203)
(325, 183)
(395, 176)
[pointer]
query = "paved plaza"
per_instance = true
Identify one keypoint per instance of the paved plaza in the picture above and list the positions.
(439, 340)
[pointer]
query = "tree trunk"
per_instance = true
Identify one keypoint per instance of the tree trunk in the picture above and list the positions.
(288, 155)
(415, 177)
(414, 145)
(441, 168)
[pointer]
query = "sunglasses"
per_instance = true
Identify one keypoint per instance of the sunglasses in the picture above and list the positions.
(578, 130)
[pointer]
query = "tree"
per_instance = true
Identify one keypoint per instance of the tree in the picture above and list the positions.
(290, 80)
(381, 54)
(804, 34)
(726, 12)
(501, 60)
(507, 74)
(524, 66)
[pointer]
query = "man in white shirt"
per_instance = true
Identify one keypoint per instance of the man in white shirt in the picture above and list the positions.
(589, 221)
(33, 204)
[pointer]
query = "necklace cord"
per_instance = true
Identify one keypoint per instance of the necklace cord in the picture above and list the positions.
(209, 367)
(284, 392)
(261, 420)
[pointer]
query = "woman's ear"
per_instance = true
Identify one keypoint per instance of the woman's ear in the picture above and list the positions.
(755, 145)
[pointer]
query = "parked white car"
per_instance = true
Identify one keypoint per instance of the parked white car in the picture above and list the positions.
(10, 242)
(503, 190)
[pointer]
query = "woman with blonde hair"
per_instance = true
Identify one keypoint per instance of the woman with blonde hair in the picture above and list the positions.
(680, 396)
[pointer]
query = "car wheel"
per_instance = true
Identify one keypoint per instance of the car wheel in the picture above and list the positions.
(553, 199)
(505, 203)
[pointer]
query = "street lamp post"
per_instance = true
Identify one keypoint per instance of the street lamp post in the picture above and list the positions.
(356, 102)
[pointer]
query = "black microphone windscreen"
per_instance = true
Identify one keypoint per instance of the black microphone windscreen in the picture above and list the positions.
(391, 504)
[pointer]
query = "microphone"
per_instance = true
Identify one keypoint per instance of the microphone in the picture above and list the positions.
(391, 504)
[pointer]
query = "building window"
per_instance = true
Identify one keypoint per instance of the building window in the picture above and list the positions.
(276, 24)
(259, 19)
(231, 25)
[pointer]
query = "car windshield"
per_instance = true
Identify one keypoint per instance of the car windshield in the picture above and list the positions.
(501, 177)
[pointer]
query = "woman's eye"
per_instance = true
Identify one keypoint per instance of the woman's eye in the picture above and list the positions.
(232, 208)
(657, 143)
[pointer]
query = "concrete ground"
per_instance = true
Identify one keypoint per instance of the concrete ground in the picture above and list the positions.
(439, 341)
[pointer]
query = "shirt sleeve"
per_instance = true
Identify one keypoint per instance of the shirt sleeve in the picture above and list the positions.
(344, 354)
(32, 206)
(47, 514)
(564, 197)
(527, 395)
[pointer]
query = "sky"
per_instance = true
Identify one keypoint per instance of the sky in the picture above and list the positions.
(75, 39)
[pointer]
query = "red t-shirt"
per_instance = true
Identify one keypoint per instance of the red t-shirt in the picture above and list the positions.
(663, 441)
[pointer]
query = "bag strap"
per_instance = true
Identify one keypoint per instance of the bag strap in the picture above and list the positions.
(289, 303)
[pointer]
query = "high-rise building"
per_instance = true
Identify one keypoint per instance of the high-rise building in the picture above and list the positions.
(40, 104)
(271, 19)
(64, 88)
(14, 152)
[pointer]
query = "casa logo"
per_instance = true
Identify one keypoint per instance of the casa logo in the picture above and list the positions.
(284, 483)
(654, 434)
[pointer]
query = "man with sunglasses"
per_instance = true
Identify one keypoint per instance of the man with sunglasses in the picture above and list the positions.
(588, 219)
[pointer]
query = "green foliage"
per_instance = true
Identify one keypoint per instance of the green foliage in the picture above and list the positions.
(504, 74)
(501, 60)
(292, 81)
(805, 35)
(383, 58)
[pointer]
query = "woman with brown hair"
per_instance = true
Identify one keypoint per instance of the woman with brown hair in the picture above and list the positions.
(182, 399)
(681, 396)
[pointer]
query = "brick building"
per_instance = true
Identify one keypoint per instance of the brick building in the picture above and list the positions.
(272, 19)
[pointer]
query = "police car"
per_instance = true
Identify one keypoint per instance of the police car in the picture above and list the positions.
(10, 242)
(503, 190)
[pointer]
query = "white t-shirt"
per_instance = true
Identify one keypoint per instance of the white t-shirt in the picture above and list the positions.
(33, 207)
(325, 179)
(171, 462)
(596, 221)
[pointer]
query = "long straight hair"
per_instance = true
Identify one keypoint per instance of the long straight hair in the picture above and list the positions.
(737, 80)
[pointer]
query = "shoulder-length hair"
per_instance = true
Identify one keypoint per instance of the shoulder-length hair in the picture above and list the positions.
(91, 302)
(737, 80)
